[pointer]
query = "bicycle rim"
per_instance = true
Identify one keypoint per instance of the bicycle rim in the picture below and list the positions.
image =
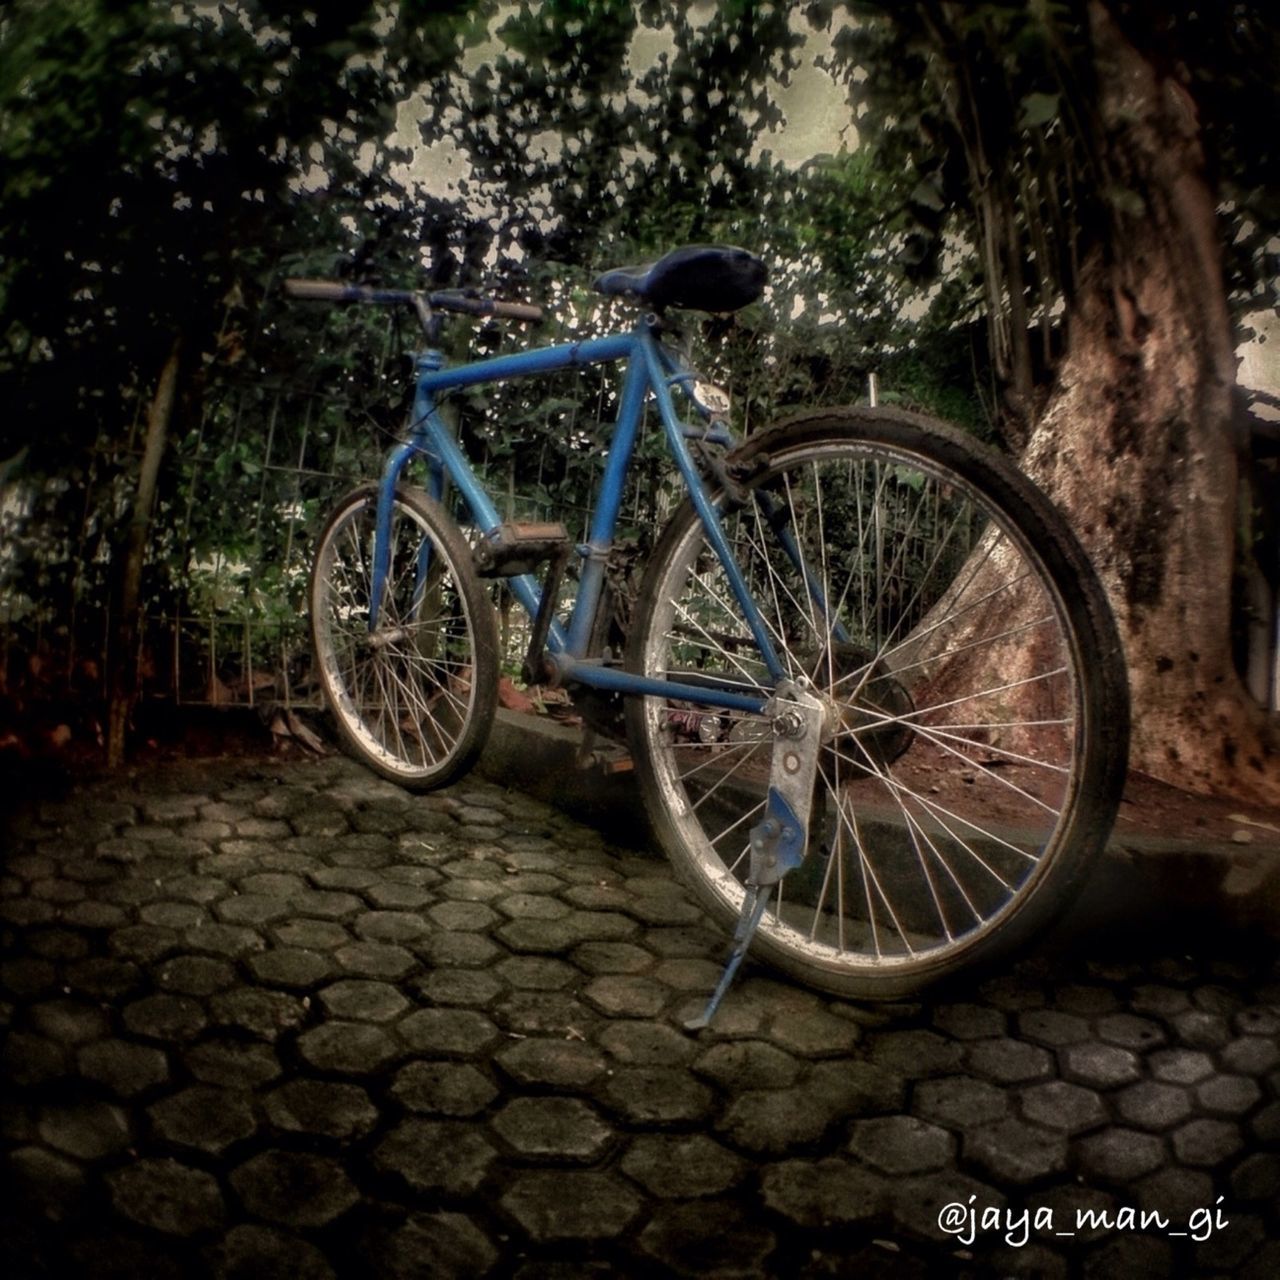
(951, 627)
(414, 697)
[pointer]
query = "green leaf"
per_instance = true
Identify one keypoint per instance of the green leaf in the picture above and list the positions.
(1039, 109)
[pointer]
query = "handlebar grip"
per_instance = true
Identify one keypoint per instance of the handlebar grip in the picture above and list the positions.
(326, 290)
(517, 310)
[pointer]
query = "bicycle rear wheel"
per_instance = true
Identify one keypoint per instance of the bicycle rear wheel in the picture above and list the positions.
(976, 706)
(415, 696)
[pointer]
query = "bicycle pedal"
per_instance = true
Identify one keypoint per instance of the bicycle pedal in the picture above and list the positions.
(516, 548)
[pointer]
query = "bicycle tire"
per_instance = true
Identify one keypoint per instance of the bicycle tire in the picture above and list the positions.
(416, 698)
(949, 822)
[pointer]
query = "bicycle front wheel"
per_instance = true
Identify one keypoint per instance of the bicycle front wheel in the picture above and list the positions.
(976, 711)
(414, 695)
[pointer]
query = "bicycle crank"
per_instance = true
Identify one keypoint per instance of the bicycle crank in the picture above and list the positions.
(779, 840)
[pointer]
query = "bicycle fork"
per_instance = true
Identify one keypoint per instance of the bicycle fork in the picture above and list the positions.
(779, 841)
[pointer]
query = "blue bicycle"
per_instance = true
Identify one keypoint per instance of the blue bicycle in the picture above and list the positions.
(873, 692)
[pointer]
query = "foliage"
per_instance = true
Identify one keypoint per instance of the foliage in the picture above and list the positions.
(993, 109)
(168, 164)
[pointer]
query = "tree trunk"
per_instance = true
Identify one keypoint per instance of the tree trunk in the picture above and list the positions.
(1137, 442)
(124, 681)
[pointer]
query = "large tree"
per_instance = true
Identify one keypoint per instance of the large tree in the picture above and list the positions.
(1120, 186)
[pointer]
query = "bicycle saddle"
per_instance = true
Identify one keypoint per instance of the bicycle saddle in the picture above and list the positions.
(701, 277)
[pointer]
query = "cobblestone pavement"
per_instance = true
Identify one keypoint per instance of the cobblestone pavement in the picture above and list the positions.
(271, 1019)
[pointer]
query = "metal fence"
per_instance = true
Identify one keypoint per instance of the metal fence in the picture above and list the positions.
(245, 641)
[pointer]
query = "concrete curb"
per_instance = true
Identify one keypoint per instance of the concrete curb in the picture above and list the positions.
(1141, 881)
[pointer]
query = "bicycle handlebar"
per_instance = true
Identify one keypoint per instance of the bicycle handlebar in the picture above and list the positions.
(467, 304)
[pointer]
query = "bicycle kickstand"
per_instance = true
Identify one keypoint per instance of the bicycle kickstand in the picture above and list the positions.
(778, 843)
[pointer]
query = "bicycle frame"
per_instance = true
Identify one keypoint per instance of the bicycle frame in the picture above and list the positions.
(651, 367)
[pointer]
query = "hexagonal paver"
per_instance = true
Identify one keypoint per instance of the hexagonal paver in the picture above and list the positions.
(294, 1189)
(1175, 1194)
(1011, 1151)
(462, 917)
(1251, 1055)
(1181, 1066)
(363, 1000)
(165, 1017)
(1155, 998)
(748, 1064)
(918, 1204)
(86, 1130)
(39, 1177)
(195, 975)
(436, 1156)
(1200, 1030)
(570, 1205)
(466, 950)
(69, 1021)
(474, 988)
(443, 1088)
(535, 973)
(255, 1012)
(375, 960)
(1227, 1095)
(563, 1128)
(1151, 1105)
(205, 1118)
(811, 1031)
(960, 1102)
(1131, 1032)
(167, 1196)
(1207, 1142)
(1007, 1061)
(1119, 1155)
(292, 967)
(123, 1067)
(823, 1193)
(311, 935)
(969, 1021)
(447, 1031)
(901, 1144)
(252, 909)
(254, 1250)
(1053, 1028)
(916, 1053)
(1069, 1108)
(352, 1048)
(441, 1244)
(1257, 1178)
(682, 1166)
(627, 995)
(233, 1064)
(322, 1107)
(545, 1061)
(655, 1095)
(611, 957)
(544, 1012)
(708, 1238)
(1099, 1066)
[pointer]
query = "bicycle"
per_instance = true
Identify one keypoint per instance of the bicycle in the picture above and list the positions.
(872, 689)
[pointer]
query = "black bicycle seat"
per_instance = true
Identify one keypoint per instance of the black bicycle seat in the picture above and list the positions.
(700, 277)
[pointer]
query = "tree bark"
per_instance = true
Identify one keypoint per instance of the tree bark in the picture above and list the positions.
(124, 681)
(1137, 442)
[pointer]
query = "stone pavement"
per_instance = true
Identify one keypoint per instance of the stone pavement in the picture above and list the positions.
(281, 1019)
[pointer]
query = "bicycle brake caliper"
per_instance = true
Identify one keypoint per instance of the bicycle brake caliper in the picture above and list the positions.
(779, 840)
